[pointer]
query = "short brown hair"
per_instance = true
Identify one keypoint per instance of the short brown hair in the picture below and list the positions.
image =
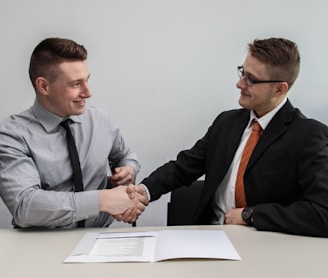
(280, 55)
(51, 52)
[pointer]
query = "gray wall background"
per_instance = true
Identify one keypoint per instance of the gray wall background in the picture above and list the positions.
(163, 68)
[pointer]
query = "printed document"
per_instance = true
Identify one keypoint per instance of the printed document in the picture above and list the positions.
(153, 246)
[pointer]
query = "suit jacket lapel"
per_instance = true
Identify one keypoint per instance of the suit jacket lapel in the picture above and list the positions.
(276, 127)
(221, 164)
(237, 130)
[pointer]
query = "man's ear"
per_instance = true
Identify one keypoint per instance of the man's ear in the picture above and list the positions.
(282, 88)
(42, 85)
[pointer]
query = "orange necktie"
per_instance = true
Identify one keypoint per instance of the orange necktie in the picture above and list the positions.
(249, 147)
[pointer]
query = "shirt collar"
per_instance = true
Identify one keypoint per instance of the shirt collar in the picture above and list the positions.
(265, 120)
(49, 120)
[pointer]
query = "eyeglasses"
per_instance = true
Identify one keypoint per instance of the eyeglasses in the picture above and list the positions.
(249, 81)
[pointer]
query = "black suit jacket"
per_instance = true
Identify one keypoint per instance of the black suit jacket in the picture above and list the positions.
(286, 178)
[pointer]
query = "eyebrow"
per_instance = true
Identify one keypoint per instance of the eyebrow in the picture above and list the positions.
(250, 74)
(79, 80)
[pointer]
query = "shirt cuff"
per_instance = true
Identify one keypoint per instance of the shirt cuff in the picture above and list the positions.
(87, 204)
(147, 190)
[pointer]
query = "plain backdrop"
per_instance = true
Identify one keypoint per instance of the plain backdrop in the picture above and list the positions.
(163, 68)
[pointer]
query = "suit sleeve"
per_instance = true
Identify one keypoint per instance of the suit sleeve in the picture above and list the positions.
(188, 167)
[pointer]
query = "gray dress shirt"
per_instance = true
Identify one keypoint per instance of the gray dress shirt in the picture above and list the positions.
(35, 170)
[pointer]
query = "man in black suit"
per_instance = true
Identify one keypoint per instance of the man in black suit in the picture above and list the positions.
(286, 179)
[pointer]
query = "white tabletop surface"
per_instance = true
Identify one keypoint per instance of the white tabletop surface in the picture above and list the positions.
(35, 253)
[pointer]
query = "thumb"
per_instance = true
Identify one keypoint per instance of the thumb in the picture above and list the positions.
(130, 190)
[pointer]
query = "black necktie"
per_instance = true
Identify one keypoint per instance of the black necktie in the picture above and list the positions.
(77, 174)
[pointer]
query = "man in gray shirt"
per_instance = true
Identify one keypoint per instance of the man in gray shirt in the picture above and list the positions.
(36, 175)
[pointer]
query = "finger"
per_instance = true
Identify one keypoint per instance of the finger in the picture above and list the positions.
(131, 216)
(142, 199)
(130, 190)
(118, 217)
(139, 212)
(115, 177)
(121, 180)
(126, 216)
(140, 206)
(134, 219)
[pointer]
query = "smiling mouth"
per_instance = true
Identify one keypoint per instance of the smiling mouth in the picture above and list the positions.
(80, 102)
(244, 93)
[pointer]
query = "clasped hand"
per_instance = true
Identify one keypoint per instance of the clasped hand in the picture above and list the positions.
(138, 195)
(125, 203)
(124, 175)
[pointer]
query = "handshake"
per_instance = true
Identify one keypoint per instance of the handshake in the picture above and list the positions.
(124, 203)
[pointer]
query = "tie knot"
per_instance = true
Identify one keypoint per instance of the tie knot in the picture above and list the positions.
(65, 123)
(256, 126)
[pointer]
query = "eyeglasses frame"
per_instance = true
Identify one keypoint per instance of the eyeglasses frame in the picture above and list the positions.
(250, 82)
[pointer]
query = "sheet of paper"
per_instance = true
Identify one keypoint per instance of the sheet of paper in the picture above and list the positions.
(153, 246)
(194, 244)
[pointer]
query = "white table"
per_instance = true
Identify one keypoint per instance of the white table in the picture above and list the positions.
(33, 253)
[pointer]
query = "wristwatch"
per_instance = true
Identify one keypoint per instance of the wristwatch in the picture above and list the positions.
(247, 215)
